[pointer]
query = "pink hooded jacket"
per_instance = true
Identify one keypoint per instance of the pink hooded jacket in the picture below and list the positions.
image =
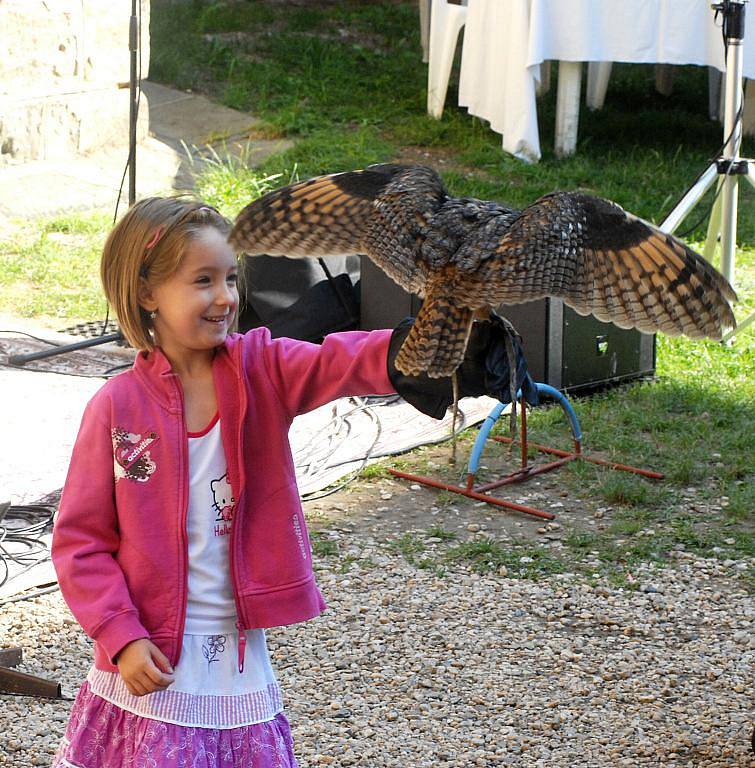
(119, 543)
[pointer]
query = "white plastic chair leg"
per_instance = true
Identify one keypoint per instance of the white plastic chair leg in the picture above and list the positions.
(446, 22)
(544, 83)
(598, 75)
(567, 107)
(424, 29)
(664, 79)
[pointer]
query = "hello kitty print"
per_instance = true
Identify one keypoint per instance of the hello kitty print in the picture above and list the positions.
(132, 459)
(223, 503)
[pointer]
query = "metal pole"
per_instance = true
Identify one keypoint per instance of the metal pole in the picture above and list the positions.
(577, 454)
(714, 225)
(473, 494)
(133, 34)
(734, 32)
(22, 359)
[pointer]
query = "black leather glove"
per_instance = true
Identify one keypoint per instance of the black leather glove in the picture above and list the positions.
(484, 371)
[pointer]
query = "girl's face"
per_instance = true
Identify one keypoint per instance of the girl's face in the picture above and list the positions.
(197, 304)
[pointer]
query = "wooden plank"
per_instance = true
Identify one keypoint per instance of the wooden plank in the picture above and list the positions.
(12, 681)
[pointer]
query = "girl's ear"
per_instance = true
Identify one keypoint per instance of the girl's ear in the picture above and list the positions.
(144, 295)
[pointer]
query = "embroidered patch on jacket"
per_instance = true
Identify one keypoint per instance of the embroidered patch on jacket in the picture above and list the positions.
(131, 455)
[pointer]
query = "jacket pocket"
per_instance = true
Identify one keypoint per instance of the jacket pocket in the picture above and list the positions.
(274, 548)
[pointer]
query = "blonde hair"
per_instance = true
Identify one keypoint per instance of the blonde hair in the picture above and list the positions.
(148, 244)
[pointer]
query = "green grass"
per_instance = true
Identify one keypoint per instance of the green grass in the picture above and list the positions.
(228, 183)
(409, 545)
(438, 532)
(489, 555)
(322, 546)
(51, 271)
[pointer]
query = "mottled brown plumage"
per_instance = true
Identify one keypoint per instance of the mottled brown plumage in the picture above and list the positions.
(466, 256)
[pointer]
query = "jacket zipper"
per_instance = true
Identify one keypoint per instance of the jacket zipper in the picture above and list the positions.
(239, 617)
(240, 623)
(183, 456)
(242, 645)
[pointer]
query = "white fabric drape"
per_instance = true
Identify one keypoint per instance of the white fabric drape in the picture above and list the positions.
(506, 41)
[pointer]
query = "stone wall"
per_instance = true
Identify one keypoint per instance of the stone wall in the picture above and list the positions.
(64, 77)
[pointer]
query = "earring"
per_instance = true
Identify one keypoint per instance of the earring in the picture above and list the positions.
(153, 314)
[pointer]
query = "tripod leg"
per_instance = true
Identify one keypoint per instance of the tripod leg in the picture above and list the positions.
(714, 226)
(740, 327)
(729, 226)
(691, 196)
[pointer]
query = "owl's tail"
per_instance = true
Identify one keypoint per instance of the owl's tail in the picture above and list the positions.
(437, 341)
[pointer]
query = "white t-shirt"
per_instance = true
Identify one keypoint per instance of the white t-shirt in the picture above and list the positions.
(210, 607)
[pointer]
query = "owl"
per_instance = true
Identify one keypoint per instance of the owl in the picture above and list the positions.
(465, 257)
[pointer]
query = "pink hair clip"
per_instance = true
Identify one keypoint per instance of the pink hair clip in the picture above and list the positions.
(154, 239)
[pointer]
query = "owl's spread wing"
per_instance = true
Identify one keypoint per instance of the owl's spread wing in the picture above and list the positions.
(381, 211)
(600, 260)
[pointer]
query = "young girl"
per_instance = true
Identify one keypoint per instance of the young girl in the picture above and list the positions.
(180, 534)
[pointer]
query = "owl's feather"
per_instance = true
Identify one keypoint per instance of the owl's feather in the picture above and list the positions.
(464, 255)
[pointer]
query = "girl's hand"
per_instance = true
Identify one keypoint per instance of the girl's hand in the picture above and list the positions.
(144, 668)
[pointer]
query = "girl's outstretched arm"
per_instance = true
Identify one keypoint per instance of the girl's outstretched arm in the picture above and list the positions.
(86, 539)
(308, 375)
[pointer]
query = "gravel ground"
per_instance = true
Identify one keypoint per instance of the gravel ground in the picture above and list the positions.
(409, 668)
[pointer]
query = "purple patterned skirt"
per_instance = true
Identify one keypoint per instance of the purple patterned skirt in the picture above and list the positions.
(102, 735)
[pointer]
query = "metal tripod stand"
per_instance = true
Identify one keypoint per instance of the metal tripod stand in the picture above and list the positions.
(726, 169)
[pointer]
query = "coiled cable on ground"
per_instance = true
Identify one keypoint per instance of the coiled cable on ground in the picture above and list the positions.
(22, 546)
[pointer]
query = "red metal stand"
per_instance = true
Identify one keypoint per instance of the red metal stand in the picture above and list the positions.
(526, 471)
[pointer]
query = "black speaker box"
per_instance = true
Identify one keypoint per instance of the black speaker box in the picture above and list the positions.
(563, 349)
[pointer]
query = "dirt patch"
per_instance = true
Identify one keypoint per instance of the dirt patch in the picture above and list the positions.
(441, 159)
(391, 506)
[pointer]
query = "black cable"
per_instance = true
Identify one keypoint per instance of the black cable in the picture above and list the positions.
(36, 338)
(30, 596)
(706, 213)
(21, 542)
(60, 373)
(116, 368)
